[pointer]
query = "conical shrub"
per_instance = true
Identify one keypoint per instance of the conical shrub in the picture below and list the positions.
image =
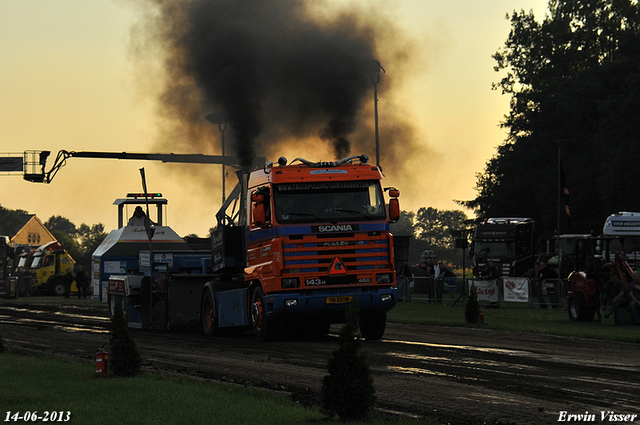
(124, 357)
(472, 308)
(347, 390)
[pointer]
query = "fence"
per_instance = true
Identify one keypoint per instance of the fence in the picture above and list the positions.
(510, 289)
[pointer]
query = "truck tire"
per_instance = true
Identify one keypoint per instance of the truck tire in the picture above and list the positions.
(261, 325)
(577, 308)
(57, 288)
(372, 325)
(208, 320)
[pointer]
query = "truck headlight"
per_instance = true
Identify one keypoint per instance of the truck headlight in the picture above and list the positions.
(291, 303)
(290, 282)
(384, 278)
(385, 298)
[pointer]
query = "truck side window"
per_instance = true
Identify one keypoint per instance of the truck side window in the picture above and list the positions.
(261, 207)
(48, 261)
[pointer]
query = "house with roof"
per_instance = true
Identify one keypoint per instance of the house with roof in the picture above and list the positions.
(33, 232)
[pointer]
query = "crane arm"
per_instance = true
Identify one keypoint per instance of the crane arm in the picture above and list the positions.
(35, 161)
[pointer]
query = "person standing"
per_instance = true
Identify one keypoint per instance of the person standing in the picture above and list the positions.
(81, 282)
(634, 294)
(438, 287)
(615, 291)
(68, 281)
(539, 281)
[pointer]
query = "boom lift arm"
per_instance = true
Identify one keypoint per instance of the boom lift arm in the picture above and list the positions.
(35, 171)
(35, 161)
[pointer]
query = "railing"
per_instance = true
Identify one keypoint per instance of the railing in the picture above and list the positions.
(435, 290)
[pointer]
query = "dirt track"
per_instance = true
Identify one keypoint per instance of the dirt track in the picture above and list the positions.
(459, 375)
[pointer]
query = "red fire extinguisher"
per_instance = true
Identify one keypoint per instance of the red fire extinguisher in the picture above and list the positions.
(102, 361)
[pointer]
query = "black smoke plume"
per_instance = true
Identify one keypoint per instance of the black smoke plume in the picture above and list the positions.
(275, 71)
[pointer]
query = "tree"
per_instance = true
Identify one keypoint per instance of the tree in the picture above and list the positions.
(574, 81)
(11, 221)
(65, 232)
(472, 307)
(90, 237)
(347, 391)
(125, 359)
(435, 229)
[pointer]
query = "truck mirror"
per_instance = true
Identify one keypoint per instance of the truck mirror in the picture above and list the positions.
(394, 210)
(257, 197)
(394, 193)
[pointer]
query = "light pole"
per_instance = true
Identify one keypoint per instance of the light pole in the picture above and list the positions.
(222, 126)
(375, 79)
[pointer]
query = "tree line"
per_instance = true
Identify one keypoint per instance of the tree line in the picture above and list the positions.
(570, 158)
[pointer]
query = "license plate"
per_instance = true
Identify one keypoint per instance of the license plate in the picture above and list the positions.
(338, 300)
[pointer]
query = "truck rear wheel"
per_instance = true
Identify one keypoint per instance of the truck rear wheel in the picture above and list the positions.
(372, 325)
(260, 323)
(207, 316)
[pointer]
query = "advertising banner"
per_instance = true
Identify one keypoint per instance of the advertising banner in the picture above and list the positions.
(516, 289)
(487, 290)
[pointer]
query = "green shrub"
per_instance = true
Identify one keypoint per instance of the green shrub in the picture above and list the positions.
(124, 357)
(472, 308)
(347, 391)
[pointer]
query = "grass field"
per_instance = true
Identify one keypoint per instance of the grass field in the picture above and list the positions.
(48, 386)
(513, 317)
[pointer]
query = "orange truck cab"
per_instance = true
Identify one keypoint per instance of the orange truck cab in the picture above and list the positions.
(317, 236)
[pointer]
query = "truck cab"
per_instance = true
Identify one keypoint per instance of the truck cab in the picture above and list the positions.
(50, 269)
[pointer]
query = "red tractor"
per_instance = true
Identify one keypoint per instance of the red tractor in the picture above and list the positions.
(587, 281)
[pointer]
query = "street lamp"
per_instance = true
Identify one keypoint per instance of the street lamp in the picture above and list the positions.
(375, 68)
(222, 126)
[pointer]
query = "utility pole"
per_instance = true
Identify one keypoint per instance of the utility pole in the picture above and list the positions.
(375, 79)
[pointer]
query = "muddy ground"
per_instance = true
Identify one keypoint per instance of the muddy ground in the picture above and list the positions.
(458, 375)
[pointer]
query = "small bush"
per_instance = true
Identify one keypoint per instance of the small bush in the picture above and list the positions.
(347, 391)
(124, 357)
(472, 308)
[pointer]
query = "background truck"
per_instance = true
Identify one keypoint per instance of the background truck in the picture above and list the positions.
(45, 270)
(8, 283)
(626, 226)
(507, 241)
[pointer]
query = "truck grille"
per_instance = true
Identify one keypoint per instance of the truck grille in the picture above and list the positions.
(314, 253)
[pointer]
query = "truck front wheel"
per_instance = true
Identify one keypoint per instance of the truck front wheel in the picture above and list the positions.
(58, 288)
(373, 324)
(261, 325)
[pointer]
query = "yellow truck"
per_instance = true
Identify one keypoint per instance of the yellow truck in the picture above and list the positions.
(46, 270)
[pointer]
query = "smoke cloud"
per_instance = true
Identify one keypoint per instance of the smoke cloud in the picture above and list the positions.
(284, 74)
(271, 68)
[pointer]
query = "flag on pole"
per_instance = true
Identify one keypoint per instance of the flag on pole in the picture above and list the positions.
(564, 196)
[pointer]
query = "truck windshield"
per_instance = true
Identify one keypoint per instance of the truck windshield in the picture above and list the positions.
(328, 201)
(494, 249)
(22, 262)
(36, 262)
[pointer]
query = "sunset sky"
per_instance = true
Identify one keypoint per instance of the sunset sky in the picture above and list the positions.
(70, 80)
